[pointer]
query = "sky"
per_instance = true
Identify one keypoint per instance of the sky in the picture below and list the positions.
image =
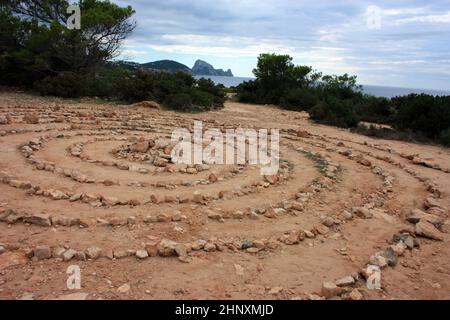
(391, 43)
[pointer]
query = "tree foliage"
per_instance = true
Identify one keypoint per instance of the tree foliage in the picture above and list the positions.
(36, 43)
(339, 100)
(178, 91)
(37, 49)
(278, 81)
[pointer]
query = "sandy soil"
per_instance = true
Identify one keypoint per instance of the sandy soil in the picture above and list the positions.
(263, 240)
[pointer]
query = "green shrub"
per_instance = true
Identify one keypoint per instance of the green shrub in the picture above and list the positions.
(444, 137)
(333, 111)
(375, 109)
(202, 99)
(178, 101)
(299, 99)
(107, 83)
(217, 92)
(136, 88)
(423, 114)
(179, 91)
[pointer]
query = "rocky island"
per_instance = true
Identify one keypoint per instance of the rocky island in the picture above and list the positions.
(202, 68)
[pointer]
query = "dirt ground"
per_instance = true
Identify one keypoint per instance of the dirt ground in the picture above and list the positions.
(73, 180)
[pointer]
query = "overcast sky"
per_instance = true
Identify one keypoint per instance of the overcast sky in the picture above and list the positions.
(403, 43)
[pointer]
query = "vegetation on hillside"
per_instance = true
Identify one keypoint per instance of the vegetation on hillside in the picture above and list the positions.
(339, 101)
(38, 51)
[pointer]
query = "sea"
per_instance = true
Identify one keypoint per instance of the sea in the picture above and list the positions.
(378, 91)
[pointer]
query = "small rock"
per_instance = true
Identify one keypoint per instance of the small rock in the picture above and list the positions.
(80, 256)
(213, 178)
(167, 248)
(239, 269)
(345, 281)
(323, 230)
(57, 195)
(210, 247)
(163, 217)
(93, 252)
(198, 245)
(180, 250)
(391, 257)
(347, 215)
(69, 254)
(152, 248)
(213, 215)
(309, 234)
(75, 197)
(431, 203)
(141, 254)
(124, 288)
(198, 198)
(379, 261)
(356, 295)
(39, 219)
(415, 216)
(272, 179)
(120, 254)
(330, 290)
(110, 201)
(4, 120)
(427, 230)
(74, 296)
(409, 242)
(141, 147)
(363, 212)
(399, 248)
(246, 244)
(43, 252)
(275, 290)
(328, 221)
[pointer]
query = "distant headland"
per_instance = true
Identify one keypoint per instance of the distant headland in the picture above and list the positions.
(200, 68)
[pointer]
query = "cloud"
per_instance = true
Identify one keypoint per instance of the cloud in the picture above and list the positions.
(413, 37)
(437, 18)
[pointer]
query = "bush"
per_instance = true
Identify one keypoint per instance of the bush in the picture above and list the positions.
(179, 91)
(375, 109)
(444, 137)
(67, 85)
(135, 88)
(339, 100)
(107, 83)
(423, 114)
(333, 111)
(299, 99)
(202, 99)
(247, 92)
(178, 101)
(217, 92)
